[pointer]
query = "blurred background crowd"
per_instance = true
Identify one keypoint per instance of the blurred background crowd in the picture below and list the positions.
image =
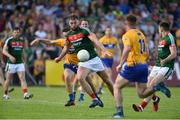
(47, 18)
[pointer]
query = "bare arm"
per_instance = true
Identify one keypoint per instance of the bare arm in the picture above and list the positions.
(63, 53)
(6, 53)
(39, 40)
(124, 56)
(173, 54)
(98, 45)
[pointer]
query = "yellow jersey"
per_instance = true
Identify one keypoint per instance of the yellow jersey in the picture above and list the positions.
(138, 42)
(38, 67)
(71, 56)
(109, 44)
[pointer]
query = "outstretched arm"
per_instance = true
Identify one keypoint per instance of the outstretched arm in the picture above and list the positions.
(98, 45)
(40, 40)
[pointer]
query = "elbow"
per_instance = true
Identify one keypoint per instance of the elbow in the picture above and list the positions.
(3, 52)
(174, 55)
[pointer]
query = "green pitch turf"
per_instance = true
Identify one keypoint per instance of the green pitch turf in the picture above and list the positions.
(48, 103)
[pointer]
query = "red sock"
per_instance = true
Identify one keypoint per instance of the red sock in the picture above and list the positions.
(24, 90)
(93, 96)
(143, 104)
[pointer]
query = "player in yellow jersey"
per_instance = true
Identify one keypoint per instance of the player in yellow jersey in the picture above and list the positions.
(133, 66)
(111, 44)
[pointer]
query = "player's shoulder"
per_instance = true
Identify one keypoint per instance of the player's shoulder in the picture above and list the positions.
(8, 39)
(85, 29)
(103, 38)
(114, 38)
(170, 38)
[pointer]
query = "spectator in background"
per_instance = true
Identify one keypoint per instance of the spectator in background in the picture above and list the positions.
(40, 32)
(39, 68)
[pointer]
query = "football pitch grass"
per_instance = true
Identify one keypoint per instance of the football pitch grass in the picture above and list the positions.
(48, 103)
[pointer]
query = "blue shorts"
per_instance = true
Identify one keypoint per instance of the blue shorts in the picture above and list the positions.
(108, 62)
(137, 73)
(72, 67)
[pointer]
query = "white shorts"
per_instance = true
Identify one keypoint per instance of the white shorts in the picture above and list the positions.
(165, 71)
(94, 64)
(14, 68)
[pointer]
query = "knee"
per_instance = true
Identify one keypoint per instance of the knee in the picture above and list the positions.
(22, 78)
(116, 86)
(67, 78)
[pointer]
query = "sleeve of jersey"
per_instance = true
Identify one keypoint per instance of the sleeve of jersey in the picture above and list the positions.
(86, 31)
(7, 42)
(59, 42)
(126, 40)
(171, 41)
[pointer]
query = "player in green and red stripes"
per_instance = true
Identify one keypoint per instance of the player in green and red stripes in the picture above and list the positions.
(13, 50)
(82, 38)
(163, 68)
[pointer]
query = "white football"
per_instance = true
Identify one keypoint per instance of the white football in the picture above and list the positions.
(83, 55)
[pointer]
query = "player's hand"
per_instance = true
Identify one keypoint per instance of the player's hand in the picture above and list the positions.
(57, 59)
(162, 62)
(118, 68)
(107, 53)
(35, 42)
(12, 59)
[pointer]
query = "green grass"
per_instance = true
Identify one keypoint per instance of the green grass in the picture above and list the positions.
(48, 103)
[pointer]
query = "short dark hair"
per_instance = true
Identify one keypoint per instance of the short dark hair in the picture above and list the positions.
(73, 17)
(131, 19)
(17, 28)
(83, 19)
(165, 26)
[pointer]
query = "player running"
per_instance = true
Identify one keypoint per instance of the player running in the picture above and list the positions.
(81, 38)
(111, 44)
(13, 49)
(163, 68)
(133, 66)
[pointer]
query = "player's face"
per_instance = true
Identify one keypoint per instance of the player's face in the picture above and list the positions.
(73, 24)
(160, 31)
(84, 24)
(16, 33)
(126, 24)
(108, 32)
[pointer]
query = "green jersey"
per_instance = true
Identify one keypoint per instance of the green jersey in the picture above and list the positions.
(163, 50)
(15, 48)
(79, 39)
